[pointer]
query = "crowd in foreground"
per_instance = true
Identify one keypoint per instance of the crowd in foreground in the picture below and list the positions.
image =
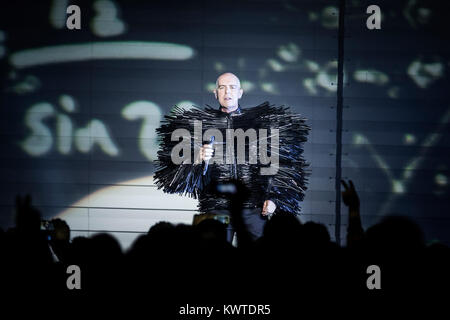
(186, 263)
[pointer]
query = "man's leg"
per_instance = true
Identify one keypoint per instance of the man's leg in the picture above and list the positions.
(230, 233)
(254, 222)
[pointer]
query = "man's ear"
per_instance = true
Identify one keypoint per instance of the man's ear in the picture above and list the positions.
(215, 93)
(241, 92)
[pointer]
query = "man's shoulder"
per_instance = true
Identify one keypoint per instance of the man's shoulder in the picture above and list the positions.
(193, 112)
(260, 107)
(265, 108)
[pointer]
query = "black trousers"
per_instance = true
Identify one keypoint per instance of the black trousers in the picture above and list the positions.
(253, 220)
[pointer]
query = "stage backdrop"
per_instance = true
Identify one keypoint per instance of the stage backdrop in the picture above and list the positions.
(79, 108)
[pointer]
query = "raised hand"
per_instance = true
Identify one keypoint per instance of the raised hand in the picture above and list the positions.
(268, 207)
(349, 195)
(206, 152)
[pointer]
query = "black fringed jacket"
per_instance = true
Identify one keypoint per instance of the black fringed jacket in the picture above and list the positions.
(286, 188)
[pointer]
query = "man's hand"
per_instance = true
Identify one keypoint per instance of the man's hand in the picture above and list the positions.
(206, 152)
(268, 207)
(28, 218)
(355, 232)
(349, 196)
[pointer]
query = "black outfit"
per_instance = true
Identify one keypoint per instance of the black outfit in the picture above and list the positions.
(286, 188)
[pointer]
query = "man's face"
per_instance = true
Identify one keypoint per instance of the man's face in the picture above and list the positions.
(228, 91)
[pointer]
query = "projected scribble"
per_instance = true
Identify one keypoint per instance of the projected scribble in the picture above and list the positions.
(42, 137)
(106, 23)
(424, 74)
(100, 50)
(399, 184)
(151, 115)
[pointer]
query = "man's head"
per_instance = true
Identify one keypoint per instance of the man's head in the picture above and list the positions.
(228, 91)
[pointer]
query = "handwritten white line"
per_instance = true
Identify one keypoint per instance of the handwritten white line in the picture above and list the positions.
(101, 50)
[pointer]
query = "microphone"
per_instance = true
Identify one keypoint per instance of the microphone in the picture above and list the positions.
(211, 142)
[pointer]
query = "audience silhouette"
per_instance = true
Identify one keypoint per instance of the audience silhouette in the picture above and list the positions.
(182, 263)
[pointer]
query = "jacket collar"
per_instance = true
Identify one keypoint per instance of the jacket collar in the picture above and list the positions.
(232, 113)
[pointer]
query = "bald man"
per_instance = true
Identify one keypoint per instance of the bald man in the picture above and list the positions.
(228, 91)
(282, 190)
